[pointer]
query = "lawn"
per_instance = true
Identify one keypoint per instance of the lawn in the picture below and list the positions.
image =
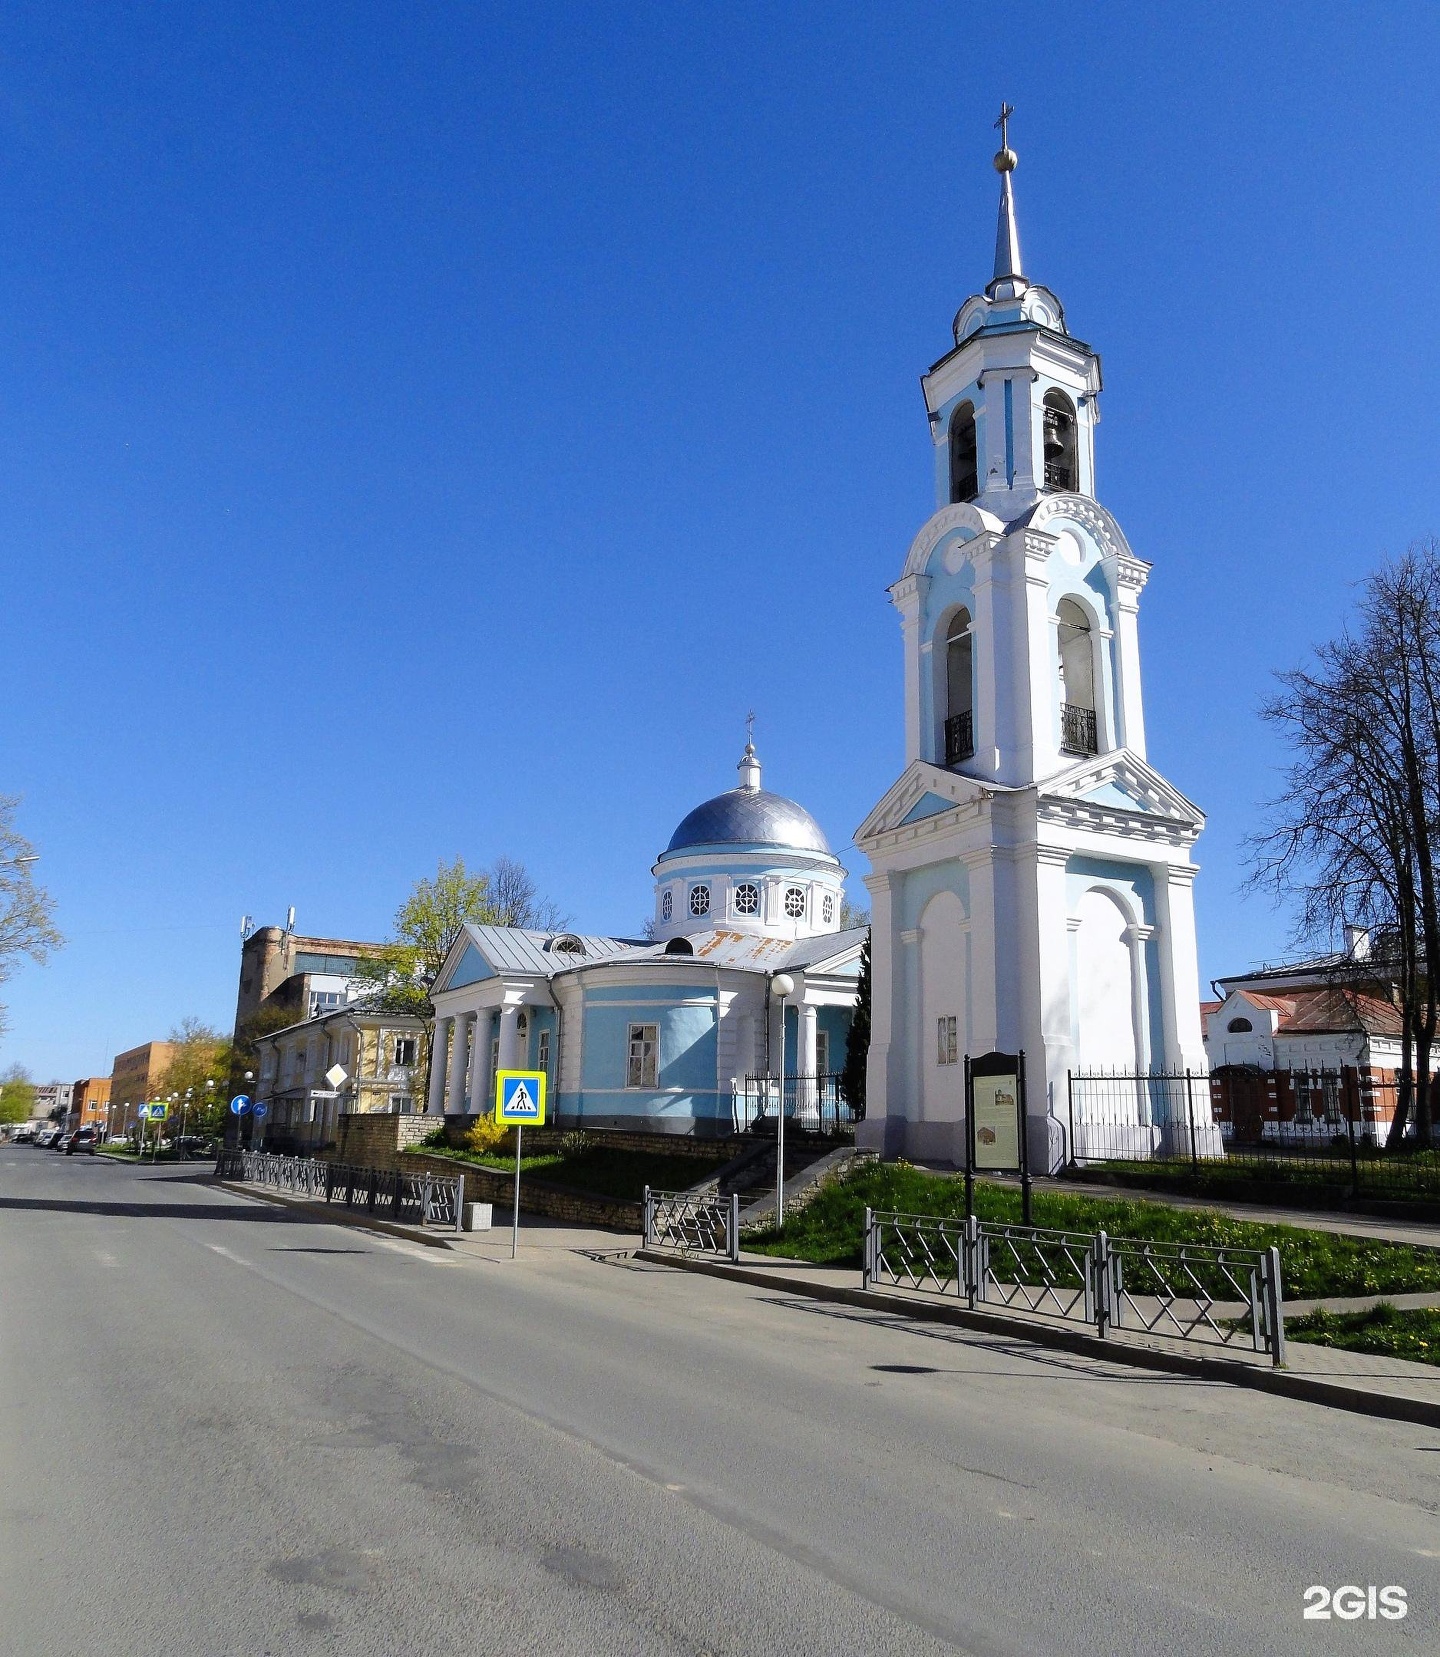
(595, 1169)
(1385, 1329)
(1312, 1263)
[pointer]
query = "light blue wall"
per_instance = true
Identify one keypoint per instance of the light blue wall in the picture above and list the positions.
(471, 969)
(688, 1057)
(835, 1022)
(922, 884)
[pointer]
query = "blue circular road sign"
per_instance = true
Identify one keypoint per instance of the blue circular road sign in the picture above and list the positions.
(240, 1103)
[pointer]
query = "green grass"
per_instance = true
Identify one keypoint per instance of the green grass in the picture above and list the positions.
(1385, 1329)
(1312, 1263)
(601, 1172)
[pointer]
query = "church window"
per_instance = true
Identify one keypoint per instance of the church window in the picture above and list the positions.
(827, 909)
(947, 1037)
(1058, 415)
(747, 899)
(1078, 733)
(794, 902)
(699, 900)
(1239, 1027)
(665, 907)
(959, 690)
(644, 1053)
(542, 1052)
(964, 456)
(522, 1035)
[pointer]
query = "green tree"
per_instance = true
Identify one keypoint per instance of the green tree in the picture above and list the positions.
(26, 910)
(201, 1067)
(857, 1039)
(17, 1095)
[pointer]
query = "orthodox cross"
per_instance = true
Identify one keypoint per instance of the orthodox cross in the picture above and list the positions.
(1006, 111)
(750, 729)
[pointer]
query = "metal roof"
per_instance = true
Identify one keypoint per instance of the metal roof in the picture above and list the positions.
(509, 949)
(752, 816)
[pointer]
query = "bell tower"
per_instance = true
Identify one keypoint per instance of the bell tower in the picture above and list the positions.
(1032, 874)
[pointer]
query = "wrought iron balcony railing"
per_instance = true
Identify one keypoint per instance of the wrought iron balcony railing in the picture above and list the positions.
(1077, 730)
(959, 737)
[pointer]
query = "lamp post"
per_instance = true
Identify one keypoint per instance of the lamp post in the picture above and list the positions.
(782, 985)
(249, 1079)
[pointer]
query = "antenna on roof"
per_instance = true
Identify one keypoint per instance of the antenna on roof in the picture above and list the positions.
(247, 926)
(290, 918)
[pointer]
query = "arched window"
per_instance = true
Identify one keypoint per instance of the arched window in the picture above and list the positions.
(699, 900)
(1078, 734)
(747, 898)
(959, 690)
(964, 457)
(1061, 472)
(1239, 1027)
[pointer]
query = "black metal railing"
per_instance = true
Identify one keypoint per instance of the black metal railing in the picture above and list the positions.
(1078, 734)
(813, 1104)
(1321, 1134)
(397, 1194)
(959, 737)
(691, 1222)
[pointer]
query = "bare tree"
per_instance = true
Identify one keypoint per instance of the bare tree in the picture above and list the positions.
(517, 901)
(26, 910)
(1352, 833)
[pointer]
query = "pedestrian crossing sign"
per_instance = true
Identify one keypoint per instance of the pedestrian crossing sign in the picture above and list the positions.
(520, 1097)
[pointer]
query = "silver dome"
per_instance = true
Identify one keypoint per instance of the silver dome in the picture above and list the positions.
(749, 816)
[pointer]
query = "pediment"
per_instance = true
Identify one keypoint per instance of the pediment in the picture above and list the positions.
(922, 791)
(465, 964)
(1123, 782)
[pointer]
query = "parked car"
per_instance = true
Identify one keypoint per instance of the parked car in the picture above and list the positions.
(47, 1136)
(25, 1133)
(85, 1140)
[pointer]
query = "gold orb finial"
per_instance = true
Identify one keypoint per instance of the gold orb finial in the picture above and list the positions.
(1005, 160)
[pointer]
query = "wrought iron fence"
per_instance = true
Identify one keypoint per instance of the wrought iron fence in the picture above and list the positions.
(397, 1194)
(693, 1224)
(959, 737)
(813, 1104)
(1321, 1132)
(1218, 1296)
(1078, 733)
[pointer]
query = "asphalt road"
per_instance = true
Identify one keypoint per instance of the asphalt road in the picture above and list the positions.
(228, 1430)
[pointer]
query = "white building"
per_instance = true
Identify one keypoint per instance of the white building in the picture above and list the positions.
(1032, 871)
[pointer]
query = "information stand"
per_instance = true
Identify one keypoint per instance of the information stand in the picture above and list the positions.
(996, 1141)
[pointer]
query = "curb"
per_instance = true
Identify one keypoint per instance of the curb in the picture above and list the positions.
(1334, 1394)
(335, 1216)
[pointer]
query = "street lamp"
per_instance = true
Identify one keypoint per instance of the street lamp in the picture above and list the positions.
(781, 986)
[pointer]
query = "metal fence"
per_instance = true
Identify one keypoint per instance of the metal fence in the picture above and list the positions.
(1320, 1131)
(813, 1104)
(1227, 1297)
(396, 1194)
(691, 1224)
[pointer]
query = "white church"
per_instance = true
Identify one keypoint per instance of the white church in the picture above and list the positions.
(1032, 872)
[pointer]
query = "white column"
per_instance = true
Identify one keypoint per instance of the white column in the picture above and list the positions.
(455, 1102)
(1179, 969)
(908, 597)
(1126, 577)
(1048, 1022)
(884, 1026)
(510, 1037)
(985, 954)
(435, 1101)
(990, 652)
(1037, 667)
(481, 1082)
(808, 1096)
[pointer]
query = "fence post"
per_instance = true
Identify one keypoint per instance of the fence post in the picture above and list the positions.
(1275, 1306)
(459, 1200)
(972, 1259)
(1100, 1266)
(646, 1222)
(867, 1269)
(1350, 1094)
(1190, 1111)
(1070, 1101)
(734, 1228)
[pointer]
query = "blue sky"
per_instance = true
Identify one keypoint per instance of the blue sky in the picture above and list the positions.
(429, 434)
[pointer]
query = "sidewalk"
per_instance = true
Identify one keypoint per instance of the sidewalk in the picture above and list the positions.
(1357, 1381)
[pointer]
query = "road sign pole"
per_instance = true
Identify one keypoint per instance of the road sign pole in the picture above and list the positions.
(515, 1223)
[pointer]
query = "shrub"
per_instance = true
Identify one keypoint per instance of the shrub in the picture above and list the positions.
(574, 1143)
(488, 1136)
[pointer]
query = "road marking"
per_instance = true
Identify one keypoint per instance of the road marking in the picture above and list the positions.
(106, 1259)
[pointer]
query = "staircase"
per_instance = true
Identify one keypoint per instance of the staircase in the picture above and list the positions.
(751, 1176)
